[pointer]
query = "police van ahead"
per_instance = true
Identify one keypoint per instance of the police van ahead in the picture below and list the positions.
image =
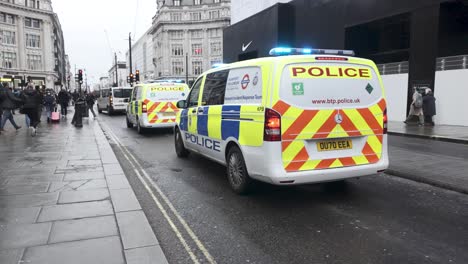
(153, 105)
(303, 116)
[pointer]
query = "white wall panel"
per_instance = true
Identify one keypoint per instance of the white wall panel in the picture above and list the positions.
(396, 86)
(451, 92)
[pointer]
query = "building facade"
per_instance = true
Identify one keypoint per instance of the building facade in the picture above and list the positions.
(188, 36)
(118, 74)
(142, 57)
(32, 44)
(242, 9)
(414, 43)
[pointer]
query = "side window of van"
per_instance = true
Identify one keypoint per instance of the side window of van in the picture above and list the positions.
(134, 93)
(193, 97)
(138, 92)
(215, 88)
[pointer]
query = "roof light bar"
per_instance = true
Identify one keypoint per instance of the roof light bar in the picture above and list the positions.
(218, 65)
(280, 51)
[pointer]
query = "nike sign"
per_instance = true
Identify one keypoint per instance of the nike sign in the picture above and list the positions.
(244, 48)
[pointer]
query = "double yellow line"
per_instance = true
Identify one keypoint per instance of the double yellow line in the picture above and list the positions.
(150, 185)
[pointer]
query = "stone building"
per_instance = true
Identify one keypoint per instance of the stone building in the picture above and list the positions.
(142, 57)
(32, 43)
(188, 31)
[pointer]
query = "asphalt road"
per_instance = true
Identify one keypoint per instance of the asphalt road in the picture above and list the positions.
(376, 219)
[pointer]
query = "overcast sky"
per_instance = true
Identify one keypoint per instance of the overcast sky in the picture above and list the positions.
(84, 23)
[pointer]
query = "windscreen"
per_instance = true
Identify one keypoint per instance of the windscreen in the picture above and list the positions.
(167, 93)
(122, 93)
(329, 85)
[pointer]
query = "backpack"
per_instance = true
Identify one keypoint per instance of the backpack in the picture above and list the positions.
(2, 94)
(419, 101)
(49, 99)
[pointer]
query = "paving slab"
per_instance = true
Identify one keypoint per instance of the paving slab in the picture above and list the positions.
(83, 196)
(65, 186)
(19, 215)
(83, 176)
(112, 169)
(29, 188)
(93, 184)
(28, 200)
(73, 211)
(106, 250)
(19, 179)
(145, 255)
(81, 229)
(124, 200)
(118, 181)
(24, 235)
(11, 256)
(84, 162)
(135, 230)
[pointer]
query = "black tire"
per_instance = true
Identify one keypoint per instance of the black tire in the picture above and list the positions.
(180, 149)
(99, 109)
(109, 110)
(141, 130)
(129, 124)
(238, 177)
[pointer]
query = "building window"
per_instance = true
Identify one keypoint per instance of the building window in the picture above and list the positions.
(215, 48)
(197, 67)
(217, 1)
(177, 67)
(214, 14)
(196, 33)
(177, 50)
(197, 2)
(197, 49)
(8, 37)
(30, 22)
(215, 32)
(176, 34)
(9, 60)
(195, 16)
(34, 62)
(33, 41)
(7, 18)
(176, 16)
(176, 2)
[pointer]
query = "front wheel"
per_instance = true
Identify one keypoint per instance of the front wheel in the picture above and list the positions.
(238, 176)
(129, 124)
(180, 149)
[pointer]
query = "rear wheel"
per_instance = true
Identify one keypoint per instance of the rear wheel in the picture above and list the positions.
(180, 149)
(140, 129)
(109, 110)
(238, 176)
(129, 124)
(99, 109)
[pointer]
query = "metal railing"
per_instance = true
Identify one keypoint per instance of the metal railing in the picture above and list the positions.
(393, 68)
(452, 63)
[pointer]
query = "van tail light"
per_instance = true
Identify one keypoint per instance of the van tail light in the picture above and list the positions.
(111, 100)
(272, 131)
(144, 107)
(385, 121)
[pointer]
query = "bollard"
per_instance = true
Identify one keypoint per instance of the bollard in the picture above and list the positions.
(78, 116)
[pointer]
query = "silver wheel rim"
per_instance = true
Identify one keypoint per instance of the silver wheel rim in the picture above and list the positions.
(236, 170)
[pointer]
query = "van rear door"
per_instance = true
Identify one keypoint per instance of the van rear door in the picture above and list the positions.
(332, 114)
(161, 100)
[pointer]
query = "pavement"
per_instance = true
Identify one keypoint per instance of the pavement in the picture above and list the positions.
(64, 198)
(454, 134)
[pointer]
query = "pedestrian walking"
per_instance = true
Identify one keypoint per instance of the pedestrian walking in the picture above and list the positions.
(75, 96)
(416, 108)
(90, 100)
(63, 100)
(49, 103)
(9, 102)
(32, 100)
(429, 107)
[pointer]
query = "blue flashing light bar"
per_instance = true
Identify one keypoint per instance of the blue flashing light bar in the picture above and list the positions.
(305, 51)
(218, 65)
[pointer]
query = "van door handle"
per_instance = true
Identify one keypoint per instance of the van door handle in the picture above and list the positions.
(200, 110)
(194, 111)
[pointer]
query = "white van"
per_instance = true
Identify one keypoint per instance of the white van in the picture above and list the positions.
(114, 99)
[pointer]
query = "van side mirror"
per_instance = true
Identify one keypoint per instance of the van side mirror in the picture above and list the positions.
(182, 104)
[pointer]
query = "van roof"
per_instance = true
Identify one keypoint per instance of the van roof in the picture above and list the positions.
(277, 59)
(162, 84)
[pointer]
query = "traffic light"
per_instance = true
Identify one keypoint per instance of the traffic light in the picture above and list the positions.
(137, 76)
(132, 78)
(80, 76)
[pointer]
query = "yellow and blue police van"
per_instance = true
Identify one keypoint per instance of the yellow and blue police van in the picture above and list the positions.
(153, 105)
(301, 116)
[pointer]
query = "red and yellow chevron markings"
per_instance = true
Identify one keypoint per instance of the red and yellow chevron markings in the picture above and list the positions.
(160, 107)
(321, 124)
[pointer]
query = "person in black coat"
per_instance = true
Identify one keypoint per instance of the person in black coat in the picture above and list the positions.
(32, 100)
(63, 99)
(9, 102)
(429, 107)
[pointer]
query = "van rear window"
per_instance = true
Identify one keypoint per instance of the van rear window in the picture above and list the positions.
(122, 93)
(329, 85)
(166, 93)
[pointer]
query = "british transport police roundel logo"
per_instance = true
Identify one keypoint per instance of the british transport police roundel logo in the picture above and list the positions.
(245, 82)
